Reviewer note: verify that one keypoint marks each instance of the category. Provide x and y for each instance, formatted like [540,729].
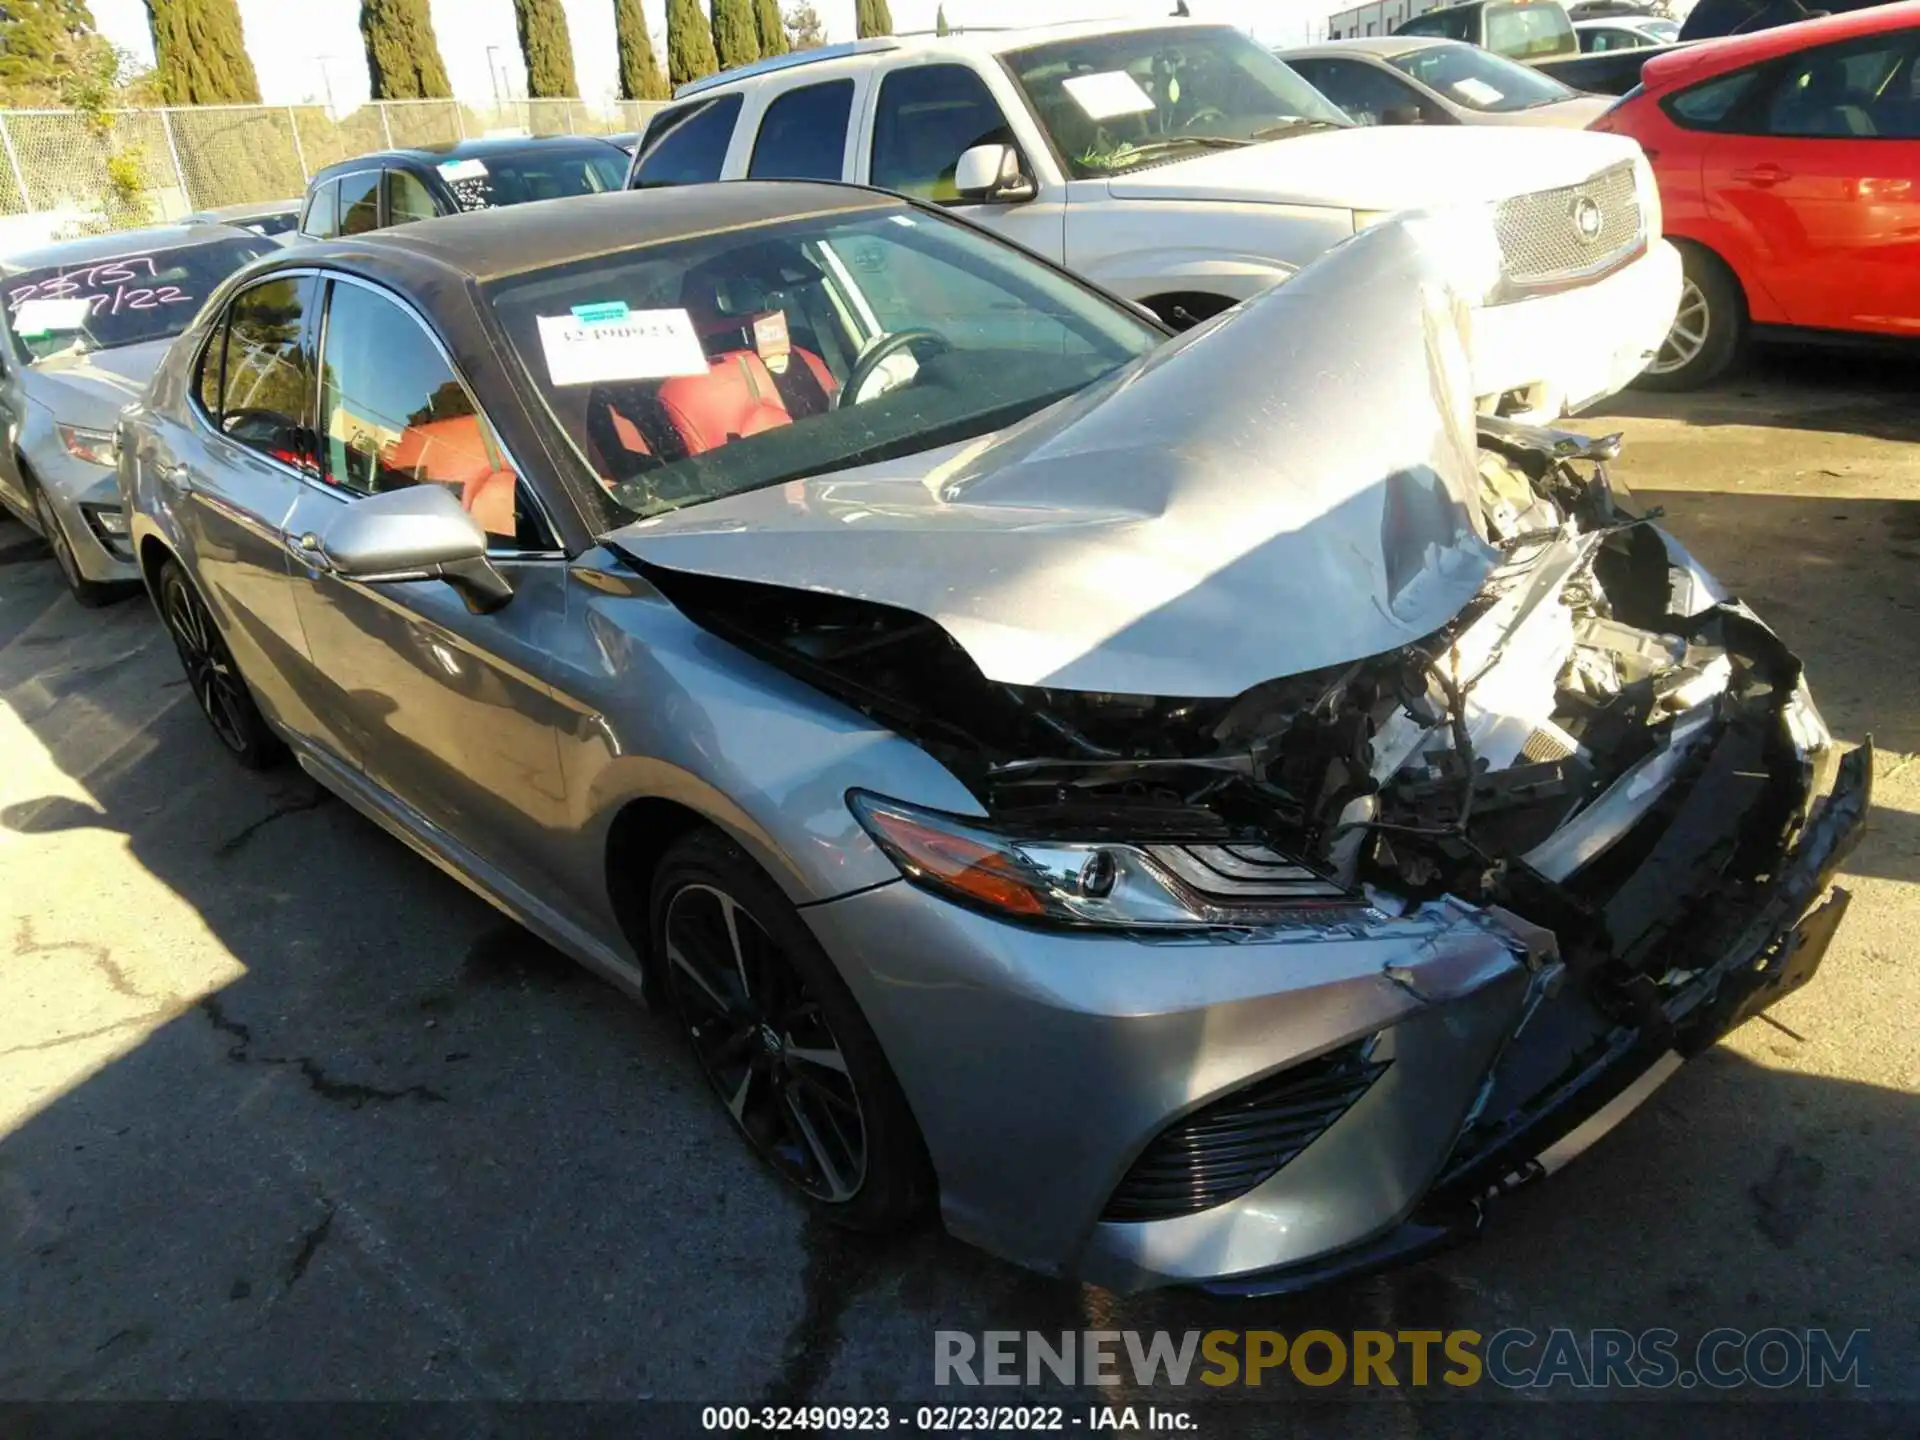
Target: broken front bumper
[1776,952]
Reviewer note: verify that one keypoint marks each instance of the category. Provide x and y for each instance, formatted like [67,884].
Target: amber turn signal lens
[979,872]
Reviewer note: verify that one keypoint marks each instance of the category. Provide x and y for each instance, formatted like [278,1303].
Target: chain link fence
[83,172]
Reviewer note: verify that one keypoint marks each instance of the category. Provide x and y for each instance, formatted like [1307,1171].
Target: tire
[1710,330]
[216,682]
[781,1040]
[90,593]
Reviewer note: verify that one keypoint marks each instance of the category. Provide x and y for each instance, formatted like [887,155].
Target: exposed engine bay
[1589,748]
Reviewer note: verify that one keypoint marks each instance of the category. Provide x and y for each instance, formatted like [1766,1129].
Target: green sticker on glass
[600,312]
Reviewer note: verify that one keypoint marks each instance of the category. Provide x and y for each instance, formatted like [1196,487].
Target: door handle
[1762,175]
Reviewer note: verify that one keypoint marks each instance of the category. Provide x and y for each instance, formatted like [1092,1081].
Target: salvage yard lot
[285,1113]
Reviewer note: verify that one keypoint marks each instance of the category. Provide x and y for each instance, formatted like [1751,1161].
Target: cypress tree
[640,77]
[689,42]
[734,39]
[872,17]
[804,30]
[548,49]
[41,42]
[403,58]
[200,53]
[767,24]
[940,20]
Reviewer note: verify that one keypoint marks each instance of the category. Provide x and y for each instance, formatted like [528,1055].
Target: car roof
[511,239]
[1385,46]
[984,42]
[486,148]
[119,242]
[1703,58]
[217,213]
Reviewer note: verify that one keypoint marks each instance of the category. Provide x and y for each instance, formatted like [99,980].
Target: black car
[392,187]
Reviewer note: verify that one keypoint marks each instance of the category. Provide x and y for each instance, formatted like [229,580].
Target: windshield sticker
[1107,94]
[640,345]
[35,318]
[107,288]
[906,220]
[600,311]
[771,339]
[1479,92]
[453,171]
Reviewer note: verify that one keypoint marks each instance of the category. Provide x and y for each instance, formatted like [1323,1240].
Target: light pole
[493,74]
[326,80]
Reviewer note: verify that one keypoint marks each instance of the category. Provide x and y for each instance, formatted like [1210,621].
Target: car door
[925,116]
[1823,176]
[231,474]
[443,709]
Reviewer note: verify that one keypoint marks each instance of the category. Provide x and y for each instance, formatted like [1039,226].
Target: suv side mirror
[991,175]
[418,533]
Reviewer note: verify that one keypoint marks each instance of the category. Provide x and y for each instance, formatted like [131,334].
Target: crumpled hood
[91,389]
[1287,488]
[1370,167]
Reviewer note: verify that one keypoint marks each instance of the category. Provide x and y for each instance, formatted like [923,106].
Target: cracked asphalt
[287,1114]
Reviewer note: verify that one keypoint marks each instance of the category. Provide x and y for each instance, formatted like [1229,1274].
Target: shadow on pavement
[1855,392]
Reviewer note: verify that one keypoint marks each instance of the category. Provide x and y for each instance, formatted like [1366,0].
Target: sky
[309,50]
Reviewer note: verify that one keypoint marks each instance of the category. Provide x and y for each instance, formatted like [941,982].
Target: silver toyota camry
[83,326]
[1203,810]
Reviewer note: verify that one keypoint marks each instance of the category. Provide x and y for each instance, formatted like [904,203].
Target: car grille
[1543,241]
[1223,1150]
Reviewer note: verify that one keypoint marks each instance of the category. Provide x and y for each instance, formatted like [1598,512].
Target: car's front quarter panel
[68,482]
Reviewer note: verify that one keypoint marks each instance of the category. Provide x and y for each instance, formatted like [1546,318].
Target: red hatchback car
[1789,171]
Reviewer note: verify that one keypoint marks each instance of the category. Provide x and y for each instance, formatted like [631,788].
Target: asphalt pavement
[285,1113]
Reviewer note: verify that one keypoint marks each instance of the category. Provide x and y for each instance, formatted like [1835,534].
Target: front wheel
[781,1039]
[211,674]
[90,593]
[1708,329]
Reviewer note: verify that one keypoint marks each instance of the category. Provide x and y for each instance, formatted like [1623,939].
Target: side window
[266,391]
[394,414]
[803,135]
[1707,106]
[1364,92]
[1861,90]
[1526,32]
[206,383]
[407,198]
[322,220]
[927,116]
[1454,24]
[360,202]
[691,149]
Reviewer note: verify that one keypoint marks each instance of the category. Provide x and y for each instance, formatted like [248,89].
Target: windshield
[481,184]
[1480,79]
[99,304]
[689,371]
[1113,102]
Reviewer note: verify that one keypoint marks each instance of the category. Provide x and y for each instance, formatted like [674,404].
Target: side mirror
[1400,115]
[419,533]
[991,175]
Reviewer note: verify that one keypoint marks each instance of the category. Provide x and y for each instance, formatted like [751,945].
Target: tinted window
[360,202]
[393,414]
[269,224]
[1861,90]
[1454,24]
[407,198]
[927,116]
[1705,106]
[266,399]
[547,172]
[1364,92]
[691,148]
[101,303]
[803,135]
[206,384]
[322,217]
[1527,32]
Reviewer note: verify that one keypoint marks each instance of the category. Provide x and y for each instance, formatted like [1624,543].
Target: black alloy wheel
[780,1038]
[211,674]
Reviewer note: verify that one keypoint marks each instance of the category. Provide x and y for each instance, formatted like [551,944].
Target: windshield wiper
[1299,125]
[1161,146]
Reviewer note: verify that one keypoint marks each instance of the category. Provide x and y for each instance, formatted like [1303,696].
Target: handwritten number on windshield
[108,287]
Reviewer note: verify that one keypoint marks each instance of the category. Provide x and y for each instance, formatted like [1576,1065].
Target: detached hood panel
[1287,488]
[1370,167]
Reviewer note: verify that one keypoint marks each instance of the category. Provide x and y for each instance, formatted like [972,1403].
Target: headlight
[1092,883]
[96,447]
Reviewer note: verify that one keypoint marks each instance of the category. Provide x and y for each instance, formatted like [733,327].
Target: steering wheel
[882,349]
[1205,115]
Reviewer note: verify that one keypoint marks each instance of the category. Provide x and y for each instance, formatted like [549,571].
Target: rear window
[1706,106]
[100,304]
[483,183]
[1453,24]
[1530,32]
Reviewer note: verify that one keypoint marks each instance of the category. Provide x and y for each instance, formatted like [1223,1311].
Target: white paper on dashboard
[1478,91]
[44,317]
[1107,94]
[640,345]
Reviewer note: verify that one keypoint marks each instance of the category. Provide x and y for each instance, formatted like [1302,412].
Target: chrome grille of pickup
[1553,236]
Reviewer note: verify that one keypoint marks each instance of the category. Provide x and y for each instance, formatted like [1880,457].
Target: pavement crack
[148,1017]
[310,1244]
[240,838]
[26,945]
[350,1093]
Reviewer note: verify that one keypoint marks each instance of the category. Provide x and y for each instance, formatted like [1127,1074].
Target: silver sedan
[1423,80]
[1195,810]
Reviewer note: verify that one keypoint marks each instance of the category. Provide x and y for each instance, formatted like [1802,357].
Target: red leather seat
[735,397]
[455,452]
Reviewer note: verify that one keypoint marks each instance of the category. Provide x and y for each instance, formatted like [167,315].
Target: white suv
[1184,167]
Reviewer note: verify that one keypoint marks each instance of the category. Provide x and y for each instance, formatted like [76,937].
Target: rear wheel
[90,593]
[1708,329]
[781,1039]
[211,674]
